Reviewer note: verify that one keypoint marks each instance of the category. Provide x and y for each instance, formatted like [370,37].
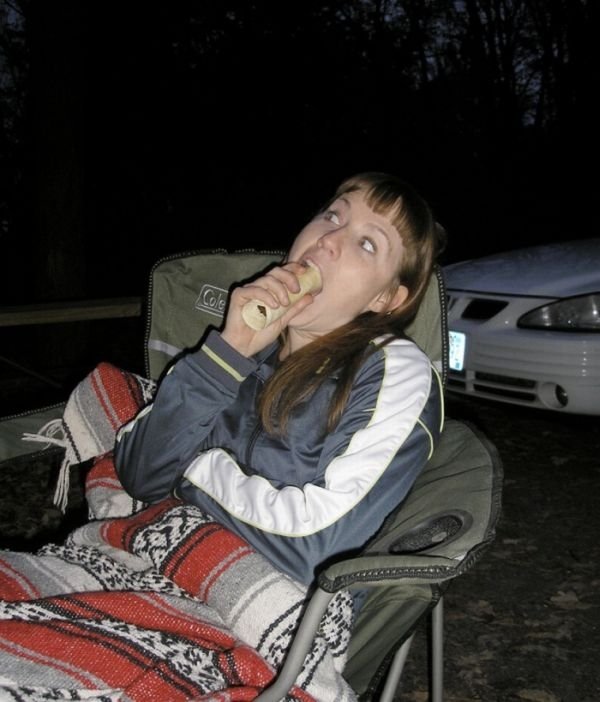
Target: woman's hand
[273,289]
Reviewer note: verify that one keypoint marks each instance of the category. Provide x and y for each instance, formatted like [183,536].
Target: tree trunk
[55,265]
[56,34]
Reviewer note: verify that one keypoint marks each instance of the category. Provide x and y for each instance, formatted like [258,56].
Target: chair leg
[395,671]
[437,652]
[437,659]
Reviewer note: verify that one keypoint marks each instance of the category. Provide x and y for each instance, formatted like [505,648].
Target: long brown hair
[344,349]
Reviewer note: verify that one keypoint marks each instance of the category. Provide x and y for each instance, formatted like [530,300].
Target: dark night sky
[242,149]
[175,133]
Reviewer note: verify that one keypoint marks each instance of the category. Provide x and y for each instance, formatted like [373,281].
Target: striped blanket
[152,603]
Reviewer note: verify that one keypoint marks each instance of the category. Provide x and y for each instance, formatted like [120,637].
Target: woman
[302,437]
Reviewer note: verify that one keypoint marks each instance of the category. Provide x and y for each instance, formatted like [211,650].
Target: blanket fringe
[53,434]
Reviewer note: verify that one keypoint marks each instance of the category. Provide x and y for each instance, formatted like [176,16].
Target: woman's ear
[398,298]
[390,300]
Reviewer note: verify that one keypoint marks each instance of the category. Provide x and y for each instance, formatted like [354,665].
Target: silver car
[525,327]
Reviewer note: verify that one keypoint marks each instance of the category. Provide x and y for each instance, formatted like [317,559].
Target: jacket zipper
[444,319]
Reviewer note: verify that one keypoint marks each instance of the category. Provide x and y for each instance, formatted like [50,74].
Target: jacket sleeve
[154,449]
[386,435]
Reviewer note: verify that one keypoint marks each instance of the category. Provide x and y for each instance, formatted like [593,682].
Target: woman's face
[358,253]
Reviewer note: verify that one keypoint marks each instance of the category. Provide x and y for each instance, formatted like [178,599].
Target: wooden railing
[60,312]
[57,312]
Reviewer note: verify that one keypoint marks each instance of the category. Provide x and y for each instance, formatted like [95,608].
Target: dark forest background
[133,130]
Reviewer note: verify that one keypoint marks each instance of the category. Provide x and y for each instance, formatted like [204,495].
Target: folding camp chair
[436,534]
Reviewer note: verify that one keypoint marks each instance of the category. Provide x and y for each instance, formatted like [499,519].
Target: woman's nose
[331,242]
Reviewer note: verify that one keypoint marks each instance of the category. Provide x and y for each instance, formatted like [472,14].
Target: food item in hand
[259,315]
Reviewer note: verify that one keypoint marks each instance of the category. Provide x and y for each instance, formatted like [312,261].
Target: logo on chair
[212,300]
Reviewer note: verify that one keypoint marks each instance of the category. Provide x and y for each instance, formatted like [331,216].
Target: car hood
[552,270]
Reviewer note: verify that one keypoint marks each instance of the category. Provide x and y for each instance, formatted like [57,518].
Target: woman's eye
[332,217]
[368,245]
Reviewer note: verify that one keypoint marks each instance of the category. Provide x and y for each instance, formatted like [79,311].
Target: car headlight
[572,314]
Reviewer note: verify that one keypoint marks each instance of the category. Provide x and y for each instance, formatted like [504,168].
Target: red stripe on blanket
[103,467]
[236,668]
[207,553]
[135,392]
[148,611]
[103,474]
[121,532]
[108,484]
[120,389]
[14,586]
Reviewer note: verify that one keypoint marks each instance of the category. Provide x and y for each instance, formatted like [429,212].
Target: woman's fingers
[275,287]
[280,282]
[274,290]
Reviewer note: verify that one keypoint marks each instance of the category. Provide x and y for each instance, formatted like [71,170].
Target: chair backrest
[188,293]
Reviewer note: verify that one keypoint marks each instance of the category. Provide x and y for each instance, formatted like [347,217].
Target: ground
[524,623]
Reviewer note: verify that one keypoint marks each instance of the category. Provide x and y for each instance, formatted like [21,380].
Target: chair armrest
[385,569]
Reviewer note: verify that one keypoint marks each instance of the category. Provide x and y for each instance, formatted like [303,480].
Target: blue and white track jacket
[306,497]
